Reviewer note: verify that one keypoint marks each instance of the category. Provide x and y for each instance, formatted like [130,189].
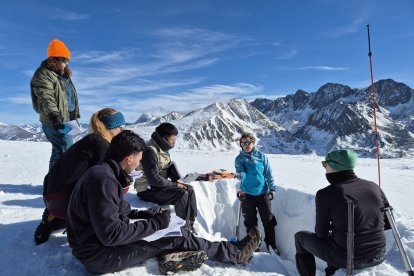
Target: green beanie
[341,160]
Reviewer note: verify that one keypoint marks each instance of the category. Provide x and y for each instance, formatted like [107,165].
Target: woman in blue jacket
[257,189]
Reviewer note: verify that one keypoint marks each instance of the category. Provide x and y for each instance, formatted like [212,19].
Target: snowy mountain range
[335,116]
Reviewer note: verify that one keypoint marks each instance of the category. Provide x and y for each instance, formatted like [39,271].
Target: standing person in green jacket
[54,97]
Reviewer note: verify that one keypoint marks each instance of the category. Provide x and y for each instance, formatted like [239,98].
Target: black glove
[134,214]
[155,209]
[162,219]
[56,120]
[146,214]
[271,195]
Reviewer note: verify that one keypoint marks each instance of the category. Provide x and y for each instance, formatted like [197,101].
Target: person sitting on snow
[257,187]
[329,242]
[62,177]
[104,239]
[160,183]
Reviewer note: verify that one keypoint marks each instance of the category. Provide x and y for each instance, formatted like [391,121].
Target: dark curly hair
[125,144]
[166,130]
[54,64]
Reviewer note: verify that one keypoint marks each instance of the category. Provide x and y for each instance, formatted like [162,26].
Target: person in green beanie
[329,242]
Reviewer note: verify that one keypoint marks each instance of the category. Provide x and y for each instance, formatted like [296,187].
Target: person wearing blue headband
[62,177]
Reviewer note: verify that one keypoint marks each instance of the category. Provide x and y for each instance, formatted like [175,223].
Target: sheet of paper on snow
[136,174]
[173,229]
[71,128]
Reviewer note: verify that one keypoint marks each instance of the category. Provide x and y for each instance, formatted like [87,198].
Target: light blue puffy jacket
[256,174]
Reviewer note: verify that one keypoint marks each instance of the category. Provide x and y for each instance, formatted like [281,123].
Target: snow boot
[181,261]
[48,224]
[330,270]
[248,245]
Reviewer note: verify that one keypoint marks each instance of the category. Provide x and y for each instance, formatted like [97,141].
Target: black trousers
[250,205]
[184,200]
[117,258]
[309,245]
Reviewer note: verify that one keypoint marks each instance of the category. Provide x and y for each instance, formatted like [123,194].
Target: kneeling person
[160,181]
[329,243]
[103,238]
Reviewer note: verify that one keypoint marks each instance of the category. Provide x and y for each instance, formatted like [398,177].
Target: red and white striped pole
[374,108]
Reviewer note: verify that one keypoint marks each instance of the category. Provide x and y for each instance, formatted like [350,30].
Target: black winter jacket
[60,181]
[332,214]
[150,164]
[98,215]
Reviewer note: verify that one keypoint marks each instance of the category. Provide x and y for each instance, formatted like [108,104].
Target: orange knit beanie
[58,49]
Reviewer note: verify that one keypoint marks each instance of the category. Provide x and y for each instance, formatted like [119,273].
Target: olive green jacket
[49,95]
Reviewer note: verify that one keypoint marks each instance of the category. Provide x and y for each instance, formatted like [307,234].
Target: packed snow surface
[24,164]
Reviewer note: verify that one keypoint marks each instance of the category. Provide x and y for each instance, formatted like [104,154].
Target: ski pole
[240,196]
[397,237]
[374,107]
[351,202]
[238,222]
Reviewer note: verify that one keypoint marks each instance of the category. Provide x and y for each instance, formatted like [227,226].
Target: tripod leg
[351,202]
[397,238]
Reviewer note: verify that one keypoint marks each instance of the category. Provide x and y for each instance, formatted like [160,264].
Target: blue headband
[114,120]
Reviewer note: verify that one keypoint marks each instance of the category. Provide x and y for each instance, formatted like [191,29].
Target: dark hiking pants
[309,245]
[250,204]
[184,200]
[117,258]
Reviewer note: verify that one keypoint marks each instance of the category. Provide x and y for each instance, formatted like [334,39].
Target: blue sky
[162,56]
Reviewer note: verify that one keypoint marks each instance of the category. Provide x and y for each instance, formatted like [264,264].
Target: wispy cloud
[102,56]
[288,55]
[19,99]
[66,15]
[355,24]
[185,44]
[177,50]
[320,68]
[163,103]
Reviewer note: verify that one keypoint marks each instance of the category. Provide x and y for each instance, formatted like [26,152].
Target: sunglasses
[64,60]
[246,143]
[325,163]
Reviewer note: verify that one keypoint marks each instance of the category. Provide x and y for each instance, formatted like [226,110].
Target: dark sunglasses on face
[246,143]
[64,60]
[325,163]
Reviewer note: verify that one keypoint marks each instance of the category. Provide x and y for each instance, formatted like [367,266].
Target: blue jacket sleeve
[238,163]
[268,174]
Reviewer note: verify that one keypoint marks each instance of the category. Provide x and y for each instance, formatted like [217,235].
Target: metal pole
[397,237]
[351,202]
[238,222]
[374,107]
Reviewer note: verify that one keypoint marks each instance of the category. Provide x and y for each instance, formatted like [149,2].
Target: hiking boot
[330,270]
[185,261]
[273,248]
[248,245]
[48,224]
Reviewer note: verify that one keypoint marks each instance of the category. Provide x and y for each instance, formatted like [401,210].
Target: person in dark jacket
[160,183]
[329,242]
[257,189]
[61,179]
[103,238]
[54,97]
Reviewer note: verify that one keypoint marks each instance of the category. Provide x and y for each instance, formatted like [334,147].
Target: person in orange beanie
[54,98]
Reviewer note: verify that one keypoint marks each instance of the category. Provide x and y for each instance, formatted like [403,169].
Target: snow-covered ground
[24,164]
